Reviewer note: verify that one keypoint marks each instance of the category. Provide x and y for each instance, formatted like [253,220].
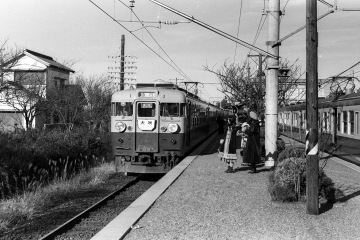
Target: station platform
[198,200]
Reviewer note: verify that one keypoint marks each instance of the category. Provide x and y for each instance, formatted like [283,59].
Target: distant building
[28,80]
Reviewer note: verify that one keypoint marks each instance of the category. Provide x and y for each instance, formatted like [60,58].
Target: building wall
[51,76]
[8,121]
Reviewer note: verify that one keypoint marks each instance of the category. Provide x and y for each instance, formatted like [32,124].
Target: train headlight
[163,128]
[120,126]
[173,127]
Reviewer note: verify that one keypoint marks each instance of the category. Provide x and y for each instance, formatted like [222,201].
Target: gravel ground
[206,203]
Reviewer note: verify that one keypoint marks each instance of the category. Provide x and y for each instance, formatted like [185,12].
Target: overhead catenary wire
[215,30]
[338,75]
[136,37]
[183,74]
[238,29]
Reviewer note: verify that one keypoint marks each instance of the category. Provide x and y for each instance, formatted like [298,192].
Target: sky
[69,30]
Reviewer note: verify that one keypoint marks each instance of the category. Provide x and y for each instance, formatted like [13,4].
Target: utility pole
[122,63]
[312,160]
[272,82]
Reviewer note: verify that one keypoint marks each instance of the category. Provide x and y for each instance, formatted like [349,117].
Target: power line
[215,30]
[183,74]
[134,36]
[238,30]
[334,77]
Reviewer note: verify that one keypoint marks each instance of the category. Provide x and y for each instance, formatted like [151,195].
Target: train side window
[351,122]
[357,125]
[123,109]
[345,121]
[325,121]
[182,109]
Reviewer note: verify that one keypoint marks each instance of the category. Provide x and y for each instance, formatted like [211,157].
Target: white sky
[77,30]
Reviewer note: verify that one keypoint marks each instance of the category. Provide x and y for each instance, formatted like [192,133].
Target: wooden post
[312,160]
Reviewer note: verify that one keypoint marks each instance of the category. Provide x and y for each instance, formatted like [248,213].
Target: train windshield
[146,109]
[122,108]
[172,109]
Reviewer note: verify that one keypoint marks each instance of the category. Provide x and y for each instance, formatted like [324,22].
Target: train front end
[147,128]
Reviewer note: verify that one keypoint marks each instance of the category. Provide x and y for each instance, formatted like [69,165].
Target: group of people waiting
[241,140]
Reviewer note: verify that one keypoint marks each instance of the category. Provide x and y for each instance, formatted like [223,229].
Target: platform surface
[206,203]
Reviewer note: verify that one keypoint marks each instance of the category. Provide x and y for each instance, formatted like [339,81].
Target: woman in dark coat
[252,153]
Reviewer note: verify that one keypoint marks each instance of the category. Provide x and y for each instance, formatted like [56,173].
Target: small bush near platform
[287,183]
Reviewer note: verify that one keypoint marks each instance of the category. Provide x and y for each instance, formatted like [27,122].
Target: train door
[147,130]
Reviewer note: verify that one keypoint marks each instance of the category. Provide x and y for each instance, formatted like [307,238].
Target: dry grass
[24,207]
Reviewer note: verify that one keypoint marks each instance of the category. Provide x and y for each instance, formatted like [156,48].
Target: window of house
[59,82]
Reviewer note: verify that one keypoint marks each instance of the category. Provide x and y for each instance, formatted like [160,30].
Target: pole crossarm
[277,43]
[226,35]
[333,8]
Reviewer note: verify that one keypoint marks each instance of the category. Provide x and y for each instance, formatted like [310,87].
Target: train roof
[340,101]
[170,91]
[161,94]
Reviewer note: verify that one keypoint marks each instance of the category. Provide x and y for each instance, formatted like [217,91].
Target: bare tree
[7,53]
[25,95]
[98,91]
[249,89]
[66,104]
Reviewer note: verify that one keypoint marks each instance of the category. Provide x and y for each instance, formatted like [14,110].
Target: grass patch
[25,206]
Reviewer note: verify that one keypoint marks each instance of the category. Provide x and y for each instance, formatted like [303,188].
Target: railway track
[87,223]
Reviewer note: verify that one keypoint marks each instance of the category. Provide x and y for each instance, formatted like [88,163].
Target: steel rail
[69,224]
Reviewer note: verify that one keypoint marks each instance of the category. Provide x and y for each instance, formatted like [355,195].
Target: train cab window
[122,108]
[146,109]
[169,109]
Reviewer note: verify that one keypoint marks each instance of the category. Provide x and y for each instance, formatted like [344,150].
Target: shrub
[292,151]
[287,182]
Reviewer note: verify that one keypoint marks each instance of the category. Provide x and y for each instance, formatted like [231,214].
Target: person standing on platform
[227,151]
[252,151]
[220,121]
[240,135]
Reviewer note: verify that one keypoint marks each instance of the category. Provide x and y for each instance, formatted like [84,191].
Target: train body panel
[338,117]
[152,128]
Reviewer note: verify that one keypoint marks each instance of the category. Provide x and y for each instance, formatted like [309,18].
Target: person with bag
[227,150]
[240,135]
[252,149]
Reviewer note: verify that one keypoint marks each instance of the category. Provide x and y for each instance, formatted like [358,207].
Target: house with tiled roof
[26,83]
